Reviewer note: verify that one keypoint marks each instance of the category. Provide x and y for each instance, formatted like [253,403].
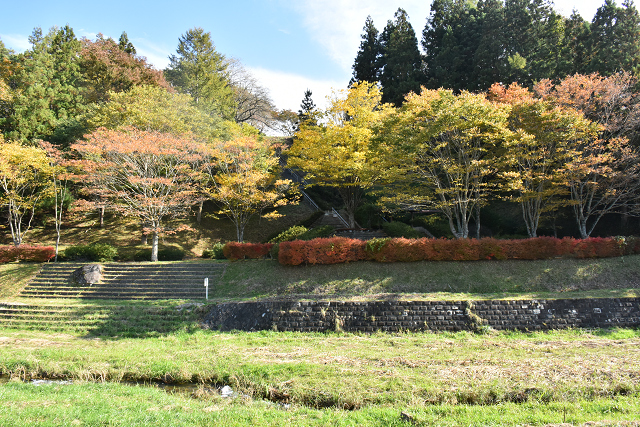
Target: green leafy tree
[366,67]
[47,87]
[401,60]
[199,70]
[153,108]
[615,38]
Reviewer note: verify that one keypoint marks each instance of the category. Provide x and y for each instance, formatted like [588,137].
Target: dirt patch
[32,342]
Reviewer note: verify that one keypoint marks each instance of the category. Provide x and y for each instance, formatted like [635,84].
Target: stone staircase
[130,281]
[111,319]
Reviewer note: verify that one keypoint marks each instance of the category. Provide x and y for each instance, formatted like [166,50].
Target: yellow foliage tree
[342,151]
[243,176]
[25,179]
[450,150]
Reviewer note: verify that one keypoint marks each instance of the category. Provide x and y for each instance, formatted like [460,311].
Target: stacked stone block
[395,316]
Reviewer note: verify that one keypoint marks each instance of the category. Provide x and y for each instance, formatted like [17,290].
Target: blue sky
[288,45]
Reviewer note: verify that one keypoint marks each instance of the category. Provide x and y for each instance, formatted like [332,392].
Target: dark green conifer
[401,60]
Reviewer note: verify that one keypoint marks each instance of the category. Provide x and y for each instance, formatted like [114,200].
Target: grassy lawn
[315,379]
[558,278]
[573,377]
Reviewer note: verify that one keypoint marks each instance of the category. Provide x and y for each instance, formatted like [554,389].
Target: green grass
[342,379]
[117,405]
[452,379]
[15,276]
[557,278]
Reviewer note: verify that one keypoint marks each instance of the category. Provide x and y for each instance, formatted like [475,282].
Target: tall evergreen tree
[530,28]
[46,82]
[366,67]
[307,111]
[401,60]
[615,38]
[200,71]
[490,62]
[576,46]
[125,45]
[450,41]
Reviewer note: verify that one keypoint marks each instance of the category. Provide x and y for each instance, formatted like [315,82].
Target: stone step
[128,296]
[180,280]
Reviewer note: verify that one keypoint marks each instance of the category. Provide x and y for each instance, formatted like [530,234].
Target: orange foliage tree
[149,175]
[606,176]
[109,68]
[546,139]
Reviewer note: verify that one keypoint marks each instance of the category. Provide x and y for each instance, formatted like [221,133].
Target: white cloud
[17,42]
[156,55]
[337,24]
[287,90]
[586,8]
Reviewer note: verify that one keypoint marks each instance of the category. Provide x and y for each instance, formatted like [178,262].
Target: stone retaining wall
[393,316]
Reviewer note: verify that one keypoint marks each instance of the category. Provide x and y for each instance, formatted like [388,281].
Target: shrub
[98,252]
[234,251]
[336,250]
[170,253]
[400,229]
[216,252]
[26,253]
[291,233]
[332,250]
[314,233]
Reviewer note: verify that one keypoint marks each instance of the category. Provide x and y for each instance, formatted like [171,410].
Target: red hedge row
[26,253]
[339,249]
[235,251]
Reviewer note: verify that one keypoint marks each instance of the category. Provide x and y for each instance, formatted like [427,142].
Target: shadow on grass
[138,320]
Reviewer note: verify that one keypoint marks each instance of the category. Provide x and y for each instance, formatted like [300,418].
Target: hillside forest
[505,119]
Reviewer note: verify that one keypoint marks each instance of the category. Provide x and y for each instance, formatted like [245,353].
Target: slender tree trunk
[154,246]
[477,221]
[101,216]
[144,238]
[199,214]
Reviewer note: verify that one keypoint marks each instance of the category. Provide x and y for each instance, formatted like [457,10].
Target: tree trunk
[477,222]
[199,214]
[144,238]
[154,246]
[351,219]
[239,232]
[101,216]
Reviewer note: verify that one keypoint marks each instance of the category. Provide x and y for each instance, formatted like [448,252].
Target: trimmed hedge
[26,253]
[234,251]
[339,249]
[170,253]
[216,252]
[99,252]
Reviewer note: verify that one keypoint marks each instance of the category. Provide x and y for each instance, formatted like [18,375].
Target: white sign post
[206,286]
